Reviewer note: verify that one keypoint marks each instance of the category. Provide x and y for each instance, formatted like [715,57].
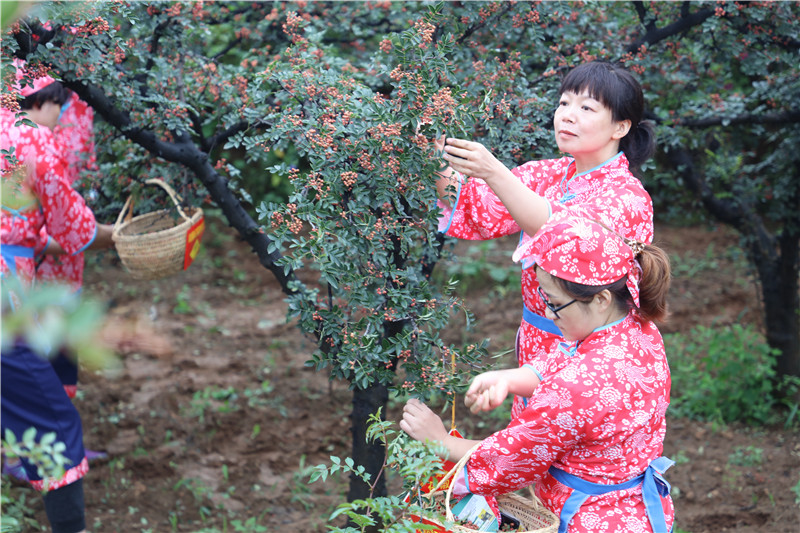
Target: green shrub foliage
[722,374]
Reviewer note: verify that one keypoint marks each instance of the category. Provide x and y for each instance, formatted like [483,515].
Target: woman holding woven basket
[591,436]
[37,195]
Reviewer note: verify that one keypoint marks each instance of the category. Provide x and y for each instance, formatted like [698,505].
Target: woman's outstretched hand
[528,209]
[490,389]
[486,392]
[472,159]
[421,423]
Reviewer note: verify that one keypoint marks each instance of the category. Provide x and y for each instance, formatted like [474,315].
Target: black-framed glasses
[550,306]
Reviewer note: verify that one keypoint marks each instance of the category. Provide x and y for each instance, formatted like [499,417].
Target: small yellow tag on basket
[193,241]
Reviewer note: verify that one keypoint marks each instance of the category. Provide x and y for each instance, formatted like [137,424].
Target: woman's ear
[623,127]
[604,299]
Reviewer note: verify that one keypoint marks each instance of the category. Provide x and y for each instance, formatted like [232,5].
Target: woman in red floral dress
[591,436]
[32,395]
[599,123]
[74,134]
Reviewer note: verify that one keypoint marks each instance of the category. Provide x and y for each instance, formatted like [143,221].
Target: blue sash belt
[540,322]
[654,487]
[11,251]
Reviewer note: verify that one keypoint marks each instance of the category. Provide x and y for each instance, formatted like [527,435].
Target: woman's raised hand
[486,392]
[421,423]
[472,159]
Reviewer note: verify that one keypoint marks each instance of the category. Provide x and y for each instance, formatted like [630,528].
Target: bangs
[599,81]
[55,92]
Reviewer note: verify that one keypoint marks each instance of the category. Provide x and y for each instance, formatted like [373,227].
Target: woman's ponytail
[639,145]
[654,284]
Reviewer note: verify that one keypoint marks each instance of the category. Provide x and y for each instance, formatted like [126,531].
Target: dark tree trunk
[776,258]
[779,288]
[370,455]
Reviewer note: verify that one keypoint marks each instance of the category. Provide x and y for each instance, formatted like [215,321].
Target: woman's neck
[612,316]
[586,162]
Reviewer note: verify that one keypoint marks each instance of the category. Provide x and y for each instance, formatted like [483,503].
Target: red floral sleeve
[67,217]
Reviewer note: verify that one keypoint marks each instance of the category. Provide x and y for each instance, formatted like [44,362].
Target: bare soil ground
[212,413]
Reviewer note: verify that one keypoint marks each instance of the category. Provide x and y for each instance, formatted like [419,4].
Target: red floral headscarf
[581,251]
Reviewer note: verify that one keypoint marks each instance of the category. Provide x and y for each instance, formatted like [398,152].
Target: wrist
[499,176]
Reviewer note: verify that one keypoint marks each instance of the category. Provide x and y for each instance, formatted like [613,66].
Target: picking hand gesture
[486,392]
[421,423]
[471,159]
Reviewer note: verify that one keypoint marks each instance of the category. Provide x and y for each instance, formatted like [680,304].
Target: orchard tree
[342,99]
[363,204]
[730,115]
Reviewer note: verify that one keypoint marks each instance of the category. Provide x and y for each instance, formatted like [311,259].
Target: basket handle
[166,187]
[122,214]
[172,194]
[537,504]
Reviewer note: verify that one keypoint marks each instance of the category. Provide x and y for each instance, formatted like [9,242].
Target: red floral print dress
[74,135]
[57,206]
[609,193]
[598,415]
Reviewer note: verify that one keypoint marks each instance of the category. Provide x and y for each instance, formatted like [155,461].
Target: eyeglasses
[550,306]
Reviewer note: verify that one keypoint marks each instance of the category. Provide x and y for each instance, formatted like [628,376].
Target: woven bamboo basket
[533,516]
[154,245]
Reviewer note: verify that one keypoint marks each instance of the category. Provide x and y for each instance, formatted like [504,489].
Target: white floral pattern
[60,208]
[599,415]
[610,194]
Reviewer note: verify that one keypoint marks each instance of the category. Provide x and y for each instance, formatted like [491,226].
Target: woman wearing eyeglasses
[591,437]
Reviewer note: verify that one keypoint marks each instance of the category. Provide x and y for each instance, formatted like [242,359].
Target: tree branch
[189,155]
[35,36]
[736,213]
[683,24]
[725,211]
[472,29]
[787,117]
[221,137]
[641,12]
